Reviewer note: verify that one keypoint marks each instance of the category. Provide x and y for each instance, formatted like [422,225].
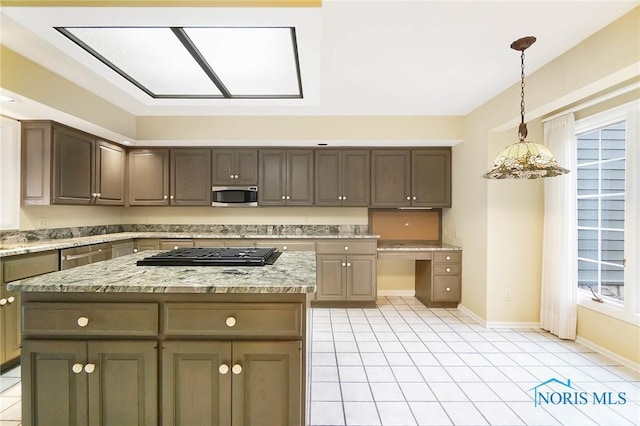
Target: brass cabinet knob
[89,368]
[164,197]
[288,197]
[223,369]
[414,197]
[236,369]
[3,301]
[346,248]
[408,197]
[283,197]
[448,257]
[11,299]
[284,248]
[235,176]
[344,264]
[83,321]
[448,288]
[448,269]
[348,264]
[231,321]
[77,368]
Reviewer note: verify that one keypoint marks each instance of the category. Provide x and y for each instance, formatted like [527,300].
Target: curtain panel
[558,307]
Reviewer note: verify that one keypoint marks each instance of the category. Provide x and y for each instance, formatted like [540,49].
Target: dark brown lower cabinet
[107,383]
[232,383]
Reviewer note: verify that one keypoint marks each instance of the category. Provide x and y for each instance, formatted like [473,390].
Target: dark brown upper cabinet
[61,165]
[431,177]
[110,173]
[286,177]
[411,178]
[149,177]
[190,180]
[234,167]
[342,177]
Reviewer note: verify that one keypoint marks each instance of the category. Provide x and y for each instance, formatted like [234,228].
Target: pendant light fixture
[524,160]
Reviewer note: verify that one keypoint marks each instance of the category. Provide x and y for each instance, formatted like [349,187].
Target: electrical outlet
[507,296]
[44,222]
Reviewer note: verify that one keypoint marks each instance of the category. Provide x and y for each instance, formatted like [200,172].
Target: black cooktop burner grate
[213,256]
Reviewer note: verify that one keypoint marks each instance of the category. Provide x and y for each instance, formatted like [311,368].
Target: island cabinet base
[165,359]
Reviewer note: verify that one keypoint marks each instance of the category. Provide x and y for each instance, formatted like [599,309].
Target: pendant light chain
[522,131]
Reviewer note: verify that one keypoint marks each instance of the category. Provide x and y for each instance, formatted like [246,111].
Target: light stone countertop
[293,272]
[39,246]
[415,246]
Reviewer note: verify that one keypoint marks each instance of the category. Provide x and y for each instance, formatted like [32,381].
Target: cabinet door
[123,387]
[109,174]
[361,278]
[331,277]
[390,178]
[299,177]
[36,163]
[246,167]
[195,391]
[190,177]
[356,175]
[175,244]
[10,325]
[268,389]
[223,171]
[46,372]
[273,177]
[431,178]
[328,178]
[149,177]
[73,165]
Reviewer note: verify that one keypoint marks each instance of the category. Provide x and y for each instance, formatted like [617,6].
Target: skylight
[198,62]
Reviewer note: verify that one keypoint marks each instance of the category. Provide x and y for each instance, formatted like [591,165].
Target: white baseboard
[401,293]
[497,324]
[606,352]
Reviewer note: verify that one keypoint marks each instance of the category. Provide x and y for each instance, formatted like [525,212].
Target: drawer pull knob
[223,369]
[346,248]
[413,198]
[408,198]
[448,257]
[3,301]
[231,321]
[11,299]
[175,247]
[284,248]
[283,197]
[76,368]
[348,264]
[237,369]
[135,250]
[164,197]
[448,288]
[235,176]
[83,321]
[89,368]
[231,176]
[448,269]
[344,264]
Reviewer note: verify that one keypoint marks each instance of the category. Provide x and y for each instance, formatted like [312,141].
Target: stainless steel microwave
[234,196]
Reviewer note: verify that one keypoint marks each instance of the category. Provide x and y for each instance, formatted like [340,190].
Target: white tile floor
[405,364]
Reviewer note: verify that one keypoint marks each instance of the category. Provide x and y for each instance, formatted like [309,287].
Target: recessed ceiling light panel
[202,62]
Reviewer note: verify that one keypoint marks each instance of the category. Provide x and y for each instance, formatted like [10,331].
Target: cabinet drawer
[233,319]
[288,245]
[29,265]
[447,268]
[447,256]
[99,319]
[175,244]
[347,247]
[445,289]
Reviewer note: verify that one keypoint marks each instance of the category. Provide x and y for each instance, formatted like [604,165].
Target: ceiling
[386,57]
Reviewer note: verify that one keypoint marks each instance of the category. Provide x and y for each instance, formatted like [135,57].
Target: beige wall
[38,217]
[619,337]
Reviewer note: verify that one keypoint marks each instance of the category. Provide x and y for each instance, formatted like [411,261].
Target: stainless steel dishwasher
[78,256]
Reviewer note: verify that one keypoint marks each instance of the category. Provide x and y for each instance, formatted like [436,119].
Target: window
[608,201]
[601,207]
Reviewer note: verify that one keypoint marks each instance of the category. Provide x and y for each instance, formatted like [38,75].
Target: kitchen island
[114,343]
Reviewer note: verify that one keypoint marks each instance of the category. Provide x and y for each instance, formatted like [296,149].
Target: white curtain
[558,307]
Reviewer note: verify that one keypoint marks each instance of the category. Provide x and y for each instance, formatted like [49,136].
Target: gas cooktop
[213,256]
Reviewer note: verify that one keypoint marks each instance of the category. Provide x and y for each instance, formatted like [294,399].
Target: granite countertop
[293,272]
[413,246]
[44,245]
